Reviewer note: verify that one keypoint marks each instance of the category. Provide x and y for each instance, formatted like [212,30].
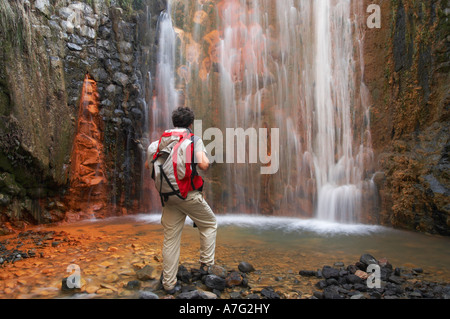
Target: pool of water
[313,242]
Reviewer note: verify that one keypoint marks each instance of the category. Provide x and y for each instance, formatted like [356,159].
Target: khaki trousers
[173,219]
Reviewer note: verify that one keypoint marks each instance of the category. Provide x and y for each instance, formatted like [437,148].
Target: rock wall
[46,49]
[407,70]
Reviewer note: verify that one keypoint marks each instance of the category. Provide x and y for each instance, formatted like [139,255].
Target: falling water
[166,98]
[295,65]
[337,175]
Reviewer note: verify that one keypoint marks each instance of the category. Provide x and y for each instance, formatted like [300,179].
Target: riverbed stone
[214,282]
[245,267]
[368,259]
[217,270]
[143,294]
[329,272]
[353,279]
[332,292]
[194,294]
[146,273]
[183,274]
[307,273]
[233,279]
[395,279]
[133,285]
[269,293]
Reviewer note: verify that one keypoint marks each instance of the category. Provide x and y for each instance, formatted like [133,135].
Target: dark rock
[252,296]
[146,273]
[55,243]
[332,282]
[352,269]
[318,294]
[233,279]
[245,267]
[184,275]
[307,273]
[396,280]
[393,289]
[418,270]
[143,294]
[328,272]
[353,279]
[367,260]
[198,274]
[321,284]
[361,266]
[343,273]
[218,271]
[331,292]
[133,285]
[415,294]
[347,286]
[268,293]
[385,273]
[194,294]
[360,287]
[342,290]
[375,295]
[217,292]
[188,288]
[397,272]
[215,282]
[235,295]
[66,288]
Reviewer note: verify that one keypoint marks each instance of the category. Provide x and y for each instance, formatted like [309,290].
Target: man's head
[183,117]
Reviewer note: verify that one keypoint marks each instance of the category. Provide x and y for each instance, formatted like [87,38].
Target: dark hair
[183,117]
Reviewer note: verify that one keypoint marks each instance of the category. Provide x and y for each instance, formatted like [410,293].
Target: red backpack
[172,162]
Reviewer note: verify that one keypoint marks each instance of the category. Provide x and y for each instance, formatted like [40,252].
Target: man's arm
[202,161]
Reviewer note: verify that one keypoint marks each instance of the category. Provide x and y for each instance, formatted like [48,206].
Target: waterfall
[295,65]
[337,174]
[166,94]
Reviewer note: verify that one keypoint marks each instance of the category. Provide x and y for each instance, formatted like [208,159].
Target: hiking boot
[204,269]
[174,290]
[171,291]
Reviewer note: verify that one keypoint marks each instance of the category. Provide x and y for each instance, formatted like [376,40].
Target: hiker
[173,161]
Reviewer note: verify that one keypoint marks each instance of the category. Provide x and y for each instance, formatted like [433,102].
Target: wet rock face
[41,76]
[409,118]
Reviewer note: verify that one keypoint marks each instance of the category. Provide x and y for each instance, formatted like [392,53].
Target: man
[176,209]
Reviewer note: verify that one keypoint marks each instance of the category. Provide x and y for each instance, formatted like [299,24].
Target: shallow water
[314,243]
[109,251]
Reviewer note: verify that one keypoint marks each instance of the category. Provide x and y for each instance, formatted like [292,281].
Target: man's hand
[146,165]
